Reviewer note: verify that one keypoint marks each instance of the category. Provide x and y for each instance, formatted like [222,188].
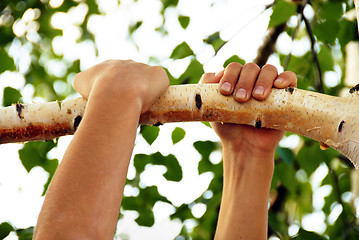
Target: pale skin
[84,197]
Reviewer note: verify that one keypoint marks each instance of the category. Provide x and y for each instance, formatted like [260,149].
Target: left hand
[244,82]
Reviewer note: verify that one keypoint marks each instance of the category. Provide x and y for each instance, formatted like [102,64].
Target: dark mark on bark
[77,121]
[290,89]
[19,108]
[258,123]
[198,101]
[354,89]
[157,124]
[341,126]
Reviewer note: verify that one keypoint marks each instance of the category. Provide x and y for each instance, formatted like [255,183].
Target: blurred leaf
[192,74]
[140,161]
[11,96]
[132,28]
[327,31]
[174,170]
[234,58]
[183,212]
[306,235]
[282,11]
[331,10]
[348,32]
[181,51]
[216,41]
[145,218]
[326,59]
[149,133]
[6,62]
[5,230]
[184,21]
[177,135]
[34,154]
[25,234]
[205,148]
[286,175]
[169,3]
[286,154]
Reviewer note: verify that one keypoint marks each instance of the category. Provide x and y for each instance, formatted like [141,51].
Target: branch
[319,84]
[268,45]
[328,119]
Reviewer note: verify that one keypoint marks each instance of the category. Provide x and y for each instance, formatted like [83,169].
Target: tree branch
[268,45]
[319,84]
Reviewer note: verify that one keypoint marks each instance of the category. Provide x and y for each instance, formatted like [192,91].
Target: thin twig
[319,85]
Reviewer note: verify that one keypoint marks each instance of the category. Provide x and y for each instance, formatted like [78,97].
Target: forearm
[247,178]
[84,198]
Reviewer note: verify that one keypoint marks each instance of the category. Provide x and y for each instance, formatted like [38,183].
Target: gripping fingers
[286,79]
[246,82]
[230,78]
[264,82]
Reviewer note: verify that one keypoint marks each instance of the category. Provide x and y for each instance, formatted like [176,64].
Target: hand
[244,82]
[113,80]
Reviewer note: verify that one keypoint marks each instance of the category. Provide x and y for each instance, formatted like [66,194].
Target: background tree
[28,35]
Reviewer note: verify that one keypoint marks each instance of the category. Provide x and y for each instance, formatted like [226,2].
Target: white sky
[20,191]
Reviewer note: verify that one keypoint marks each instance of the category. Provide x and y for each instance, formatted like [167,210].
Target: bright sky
[21,191]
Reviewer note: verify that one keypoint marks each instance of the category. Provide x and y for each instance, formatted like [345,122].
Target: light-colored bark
[331,120]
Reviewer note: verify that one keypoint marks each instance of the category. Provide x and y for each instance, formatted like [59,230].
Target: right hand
[113,80]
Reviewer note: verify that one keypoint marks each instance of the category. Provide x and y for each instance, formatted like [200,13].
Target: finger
[245,84]
[208,78]
[264,82]
[230,78]
[286,79]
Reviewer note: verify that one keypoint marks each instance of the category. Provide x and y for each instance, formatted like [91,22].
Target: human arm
[248,153]
[84,197]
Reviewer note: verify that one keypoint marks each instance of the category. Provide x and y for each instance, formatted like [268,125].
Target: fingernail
[226,86]
[279,81]
[241,93]
[259,90]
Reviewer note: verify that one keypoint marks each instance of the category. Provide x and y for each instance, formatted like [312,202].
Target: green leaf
[6,62]
[327,31]
[286,154]
[145,218]
[34,154]
[184,21]
[11,96]
[286,174]
[181,51]
[234,58]
[169,3]
[216,41]
[177,135]
[305,235]
[5,230]
[192,74]
[149,133]
[282,11]
[331,10]
[174,170]
[25,234]
[325,58]
[132,28]
[205,148]
[140,161]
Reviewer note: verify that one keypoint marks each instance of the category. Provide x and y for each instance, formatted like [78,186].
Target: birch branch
[334,121]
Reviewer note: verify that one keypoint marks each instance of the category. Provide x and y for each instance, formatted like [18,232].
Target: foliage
[292,188]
